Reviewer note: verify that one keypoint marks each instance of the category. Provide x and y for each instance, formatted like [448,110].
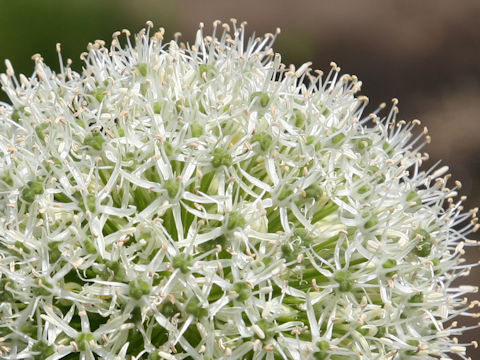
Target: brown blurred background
[426,53]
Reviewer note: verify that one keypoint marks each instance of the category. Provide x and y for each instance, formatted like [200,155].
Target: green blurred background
[426,53]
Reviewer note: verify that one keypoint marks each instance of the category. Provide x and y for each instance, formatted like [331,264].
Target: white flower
[205,202]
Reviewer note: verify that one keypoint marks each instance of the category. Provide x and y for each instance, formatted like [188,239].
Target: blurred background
[425,53]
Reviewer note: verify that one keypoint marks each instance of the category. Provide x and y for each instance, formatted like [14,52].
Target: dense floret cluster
[204,201]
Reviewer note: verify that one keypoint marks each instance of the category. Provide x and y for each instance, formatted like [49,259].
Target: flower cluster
[205,201]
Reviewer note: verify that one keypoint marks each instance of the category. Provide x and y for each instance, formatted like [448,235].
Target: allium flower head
[204,201]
